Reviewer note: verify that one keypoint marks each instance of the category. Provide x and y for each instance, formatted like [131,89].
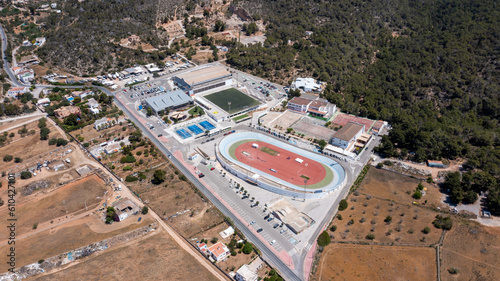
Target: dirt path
[434,171]
[481,262]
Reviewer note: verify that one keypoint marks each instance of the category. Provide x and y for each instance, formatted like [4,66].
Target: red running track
[284,163]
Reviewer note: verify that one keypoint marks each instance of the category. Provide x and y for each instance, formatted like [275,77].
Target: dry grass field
[397,251]
[362,262]
[75,234]
[29,146]
[474,250]
[57,205]
[156,257]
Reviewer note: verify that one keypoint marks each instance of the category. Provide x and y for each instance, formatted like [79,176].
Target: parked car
[272,242]
[259,230]
[211,169]
[270,219]
[140,218]
[251,223]
[200,175]
[276,225]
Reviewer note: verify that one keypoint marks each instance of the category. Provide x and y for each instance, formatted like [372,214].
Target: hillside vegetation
[80,39]
[430,68]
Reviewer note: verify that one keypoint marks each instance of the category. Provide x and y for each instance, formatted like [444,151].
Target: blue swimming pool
[207,125]
[183,133]
[71,98]
[195,129]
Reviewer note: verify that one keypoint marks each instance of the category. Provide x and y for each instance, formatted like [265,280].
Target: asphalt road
[270,256]
[6,65]
[283,269]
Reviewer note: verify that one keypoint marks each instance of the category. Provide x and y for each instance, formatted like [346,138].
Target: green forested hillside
[430,68]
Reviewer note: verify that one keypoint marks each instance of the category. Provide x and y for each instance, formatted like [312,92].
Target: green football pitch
[238,100]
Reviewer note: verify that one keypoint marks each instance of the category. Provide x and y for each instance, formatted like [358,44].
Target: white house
[39,41]
[14,92]
[347,135]
[219,251]
[299,104]
[92,103]
[43,102]
[245,274]
[307,85]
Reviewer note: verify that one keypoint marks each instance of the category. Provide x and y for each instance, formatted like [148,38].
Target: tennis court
[207,125]
[195,129]
[183,133]
[232,100]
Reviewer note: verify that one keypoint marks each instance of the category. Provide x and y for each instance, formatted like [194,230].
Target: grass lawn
[238,100]
[196,111]
[268,150]
[237,118]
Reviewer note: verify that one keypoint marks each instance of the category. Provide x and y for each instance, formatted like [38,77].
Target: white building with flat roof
[307,85]
[245,274]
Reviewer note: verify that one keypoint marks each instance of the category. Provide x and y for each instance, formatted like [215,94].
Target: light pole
[305,183]
[229,104]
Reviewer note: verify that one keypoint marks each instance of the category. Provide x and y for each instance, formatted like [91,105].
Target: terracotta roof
[378,125]
[318,103]
[348,131]
[218,249]
[299,101]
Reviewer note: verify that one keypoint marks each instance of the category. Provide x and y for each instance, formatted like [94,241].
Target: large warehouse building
[204,79]
[172,100]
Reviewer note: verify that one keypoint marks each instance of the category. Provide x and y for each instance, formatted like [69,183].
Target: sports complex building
[204,79]
[279,167]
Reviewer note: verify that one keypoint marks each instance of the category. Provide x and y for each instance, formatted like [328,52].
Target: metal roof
[167,100]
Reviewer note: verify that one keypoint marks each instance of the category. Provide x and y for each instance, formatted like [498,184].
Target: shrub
[453,270]
[324,239]
[339,217]
[127,159]
[130,178]
[25,175]
[247,249]
[18,160]
[7,158]
[343,205]
[159,177]
[417,194]
[370,236]
[380,165]
[127,168]
[443,223]
[426,230]
[145,210]
[41,261]
[61,142]
[52,141]
[333,228]
[388,219]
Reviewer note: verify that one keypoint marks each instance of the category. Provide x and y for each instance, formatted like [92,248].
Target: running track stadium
[279,167]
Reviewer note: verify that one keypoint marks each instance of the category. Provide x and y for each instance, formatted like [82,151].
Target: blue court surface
[195,129]
[207,125]
[183,133]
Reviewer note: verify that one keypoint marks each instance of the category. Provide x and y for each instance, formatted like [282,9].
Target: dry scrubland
[400,249]
[157,257]
[358,262]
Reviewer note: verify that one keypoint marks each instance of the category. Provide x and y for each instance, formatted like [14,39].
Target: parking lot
[147,90]
[256,216]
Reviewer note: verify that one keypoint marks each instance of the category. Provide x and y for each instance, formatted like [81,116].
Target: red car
[211,169]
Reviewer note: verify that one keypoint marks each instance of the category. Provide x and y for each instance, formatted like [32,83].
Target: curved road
[6,65]
[286,272]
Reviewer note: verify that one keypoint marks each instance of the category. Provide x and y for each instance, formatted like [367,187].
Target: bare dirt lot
[70,236]
[476,259]
[361,262]
[160,259]
[57,205]
[392,186]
